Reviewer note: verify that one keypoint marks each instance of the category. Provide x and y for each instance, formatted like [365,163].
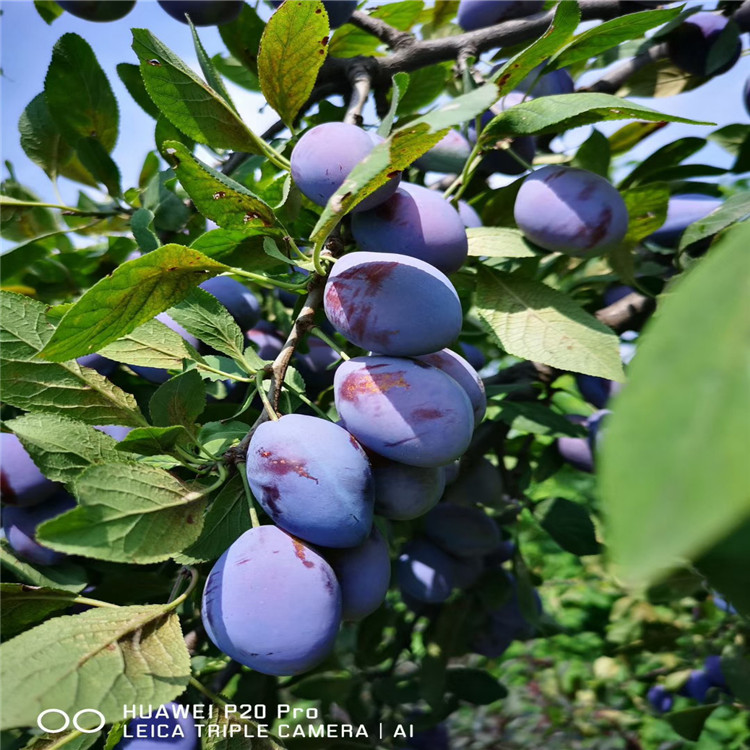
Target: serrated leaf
[292,49]
[78,94]
[212,76]
[179,401]
[95,159]
[23,605]
[499,242]
[134,293]
[667,156]
[152,441]
[535,322]
[102,658]
[48,10]
[127,513]
[660,79]
[41,139]
[66,388]
[594,154]
[188,102]
[553,114]
[570,525]
[242,37]
[735,208]
[691,485]
[399,86]
[140,225]
[217,197]
[219,734]
[130,75]
[66,575]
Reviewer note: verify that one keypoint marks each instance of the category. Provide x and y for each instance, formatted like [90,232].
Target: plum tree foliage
[412,402]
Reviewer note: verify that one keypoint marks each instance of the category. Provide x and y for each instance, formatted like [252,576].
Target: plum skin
[447,156]
[481,482]
[240,302]
[203,12]
[689,45]
[405,492]
[461,531]
[554,83]
[660,698]
[102,365]
[319,170]
[272,603]
[404,410]
[313,479]
[417,222]
[425,572]
[168,724]
[478,14]
[572,211]
[98,10]
[682,211]
[21,482]
[392,304]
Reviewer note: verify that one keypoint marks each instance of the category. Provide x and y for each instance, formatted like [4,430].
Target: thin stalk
[254,520]
[259,377]
[266,282]
[173,604]
[318,333]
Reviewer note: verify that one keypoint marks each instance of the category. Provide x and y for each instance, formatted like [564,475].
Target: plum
[339,11]
[464,374]
[267,343]
[96,362]
[313,479]
[682,211]
[469,216]
[404,409]
[203,12]
[577,452]
[461,531]
[272,603]
[240,302]
[660,698]
[114,431]
[550,84]
[597,391]
[21,483]
[504,552]
[417,222]
[170,726]
[572,211]
[473,356]
[363,573]
[691,44]
[499,160]
[97,10]
[404,492]
[157,374]
[714,672]
[315,364]
[426,573]
[324,156]
[595,425]
[723,605]
[615,293]
[392,304]
[447,156]
[696,686]
[480,482]
[451,470]
[20,524]
[478,14]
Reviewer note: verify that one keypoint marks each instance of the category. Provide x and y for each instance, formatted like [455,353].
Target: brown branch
[394,38]
[361,83]
[627,313]
[614,80]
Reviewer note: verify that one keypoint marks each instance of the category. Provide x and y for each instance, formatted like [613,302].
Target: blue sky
[26,43]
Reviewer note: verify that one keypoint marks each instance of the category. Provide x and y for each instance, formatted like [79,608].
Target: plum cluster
[700,686]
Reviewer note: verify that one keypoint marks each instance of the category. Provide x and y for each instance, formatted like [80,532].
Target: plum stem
[318,333]
[259,377]
[173,602]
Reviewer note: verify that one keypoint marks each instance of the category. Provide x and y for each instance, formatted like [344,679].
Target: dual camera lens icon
[42,721]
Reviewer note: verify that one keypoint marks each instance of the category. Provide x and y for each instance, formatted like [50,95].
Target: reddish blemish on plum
[368,383]
[428,413]
[299,550]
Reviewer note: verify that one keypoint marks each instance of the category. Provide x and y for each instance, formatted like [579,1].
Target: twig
[613,81]
[628,312]
[361,83]
[394,38]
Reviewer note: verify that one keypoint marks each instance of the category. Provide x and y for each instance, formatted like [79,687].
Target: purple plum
[324,156]
[722,604]
[241,303]
[682,211]
[478,482]
[714,672]
[550,84]
[114,431]
[272,603]
[20,525]
[571,211]
[461,531]
[696,686]
[576,450]
[268,344]
[203,12]
[746,95]
[451,470]
[363,573]
[404,410]
[660,698]
[157,374]
[426,573]
[464,374]
[404,492]
[313,479]
[597,391]
[615,293]
[98,10]
[96,362]
[691,44]
[392,304]
[469,217]
[447,156]
[315,365]
[170,727]
[478,14]
[417,222]
[21,483]
[473,356]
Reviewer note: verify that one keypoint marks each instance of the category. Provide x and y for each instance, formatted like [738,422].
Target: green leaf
[217,197]
[140,226]
[134,293]
[736,671]
[66,575]
[325,687]
[535,322]
[661,78]
[723,48]
[130,75]
[62,448]
[242,37]
[188,102]
[227,518]
[179,401]
[100,164]
[474,685]
[553,114]
[570,525]
[689,722]
[690,488]
[230,67]
[48,10]
[22,605]
[628,136]
[664,157]
[647,210]
[292,50]
[152,441]
[219,734]
[499,242]
[594,154]
[211,75]
[537,418]
[78,94]
[32,384]
[399,85]
[425,85]
[105,658]
[41,139]
[127,513]
[734,209]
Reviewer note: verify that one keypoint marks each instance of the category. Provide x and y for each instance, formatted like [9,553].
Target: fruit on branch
[315,364]
[572,211]
[469,217]
[324,156]
[499,160]
[392,304]
[169,727]
[417,222]
[682,211]
[339,11]
[404,492]
[426,573]
[20,525]
[576,450]
[272,603]
[363,572]
[549,84]
[157,374]
[21,483]
[404,409]
[479,482]
[504,552]
[313,479]
[97,10]
[597,391]
[464,374]
[472,355]
[595,425]
[660,698]
[478,14]
[241,303]
[203,12]
[696,686]
[714,672]
[447,156]
[461,531]
[693,43]
[96,362]
[268,344]
[722,604]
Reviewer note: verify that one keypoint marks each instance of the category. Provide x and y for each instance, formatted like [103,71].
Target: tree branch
[629,312]
[394,38]
[361,82]
[613,81]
